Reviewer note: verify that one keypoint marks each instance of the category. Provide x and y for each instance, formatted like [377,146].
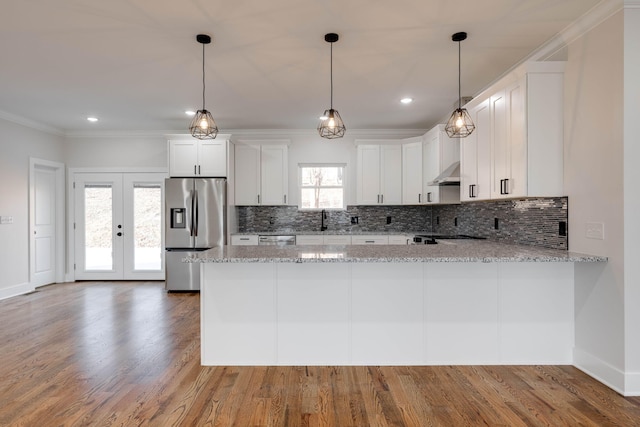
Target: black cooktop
[432,239]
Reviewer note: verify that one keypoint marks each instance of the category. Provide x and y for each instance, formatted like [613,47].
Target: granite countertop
[329,232]
[445,251]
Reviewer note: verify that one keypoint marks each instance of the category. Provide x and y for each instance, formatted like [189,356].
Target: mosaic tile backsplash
[525,221]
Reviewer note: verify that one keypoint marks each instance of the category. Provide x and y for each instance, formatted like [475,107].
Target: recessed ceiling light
[190,113]
[92,119]
[406,100]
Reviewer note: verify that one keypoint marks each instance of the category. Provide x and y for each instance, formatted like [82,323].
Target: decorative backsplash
[524,221]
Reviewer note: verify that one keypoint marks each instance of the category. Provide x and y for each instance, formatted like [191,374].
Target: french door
[118,226]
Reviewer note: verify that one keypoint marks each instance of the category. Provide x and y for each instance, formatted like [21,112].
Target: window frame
[343,186]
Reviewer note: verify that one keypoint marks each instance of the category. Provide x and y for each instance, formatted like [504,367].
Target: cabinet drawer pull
[244,238]
[369,241]
[472,191]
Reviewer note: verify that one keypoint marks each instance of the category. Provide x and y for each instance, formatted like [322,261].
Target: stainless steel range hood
[449,176]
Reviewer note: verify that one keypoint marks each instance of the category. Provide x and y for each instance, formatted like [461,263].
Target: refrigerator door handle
[192,224]
[195,212]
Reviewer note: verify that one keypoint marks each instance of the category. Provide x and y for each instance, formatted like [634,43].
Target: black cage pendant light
[203,126]
[331,125]
[460,124]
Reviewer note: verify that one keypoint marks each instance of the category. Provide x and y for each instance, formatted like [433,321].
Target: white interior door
[44,182]
[118,226]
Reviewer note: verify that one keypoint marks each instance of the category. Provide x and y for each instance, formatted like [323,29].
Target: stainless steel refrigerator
[195,220]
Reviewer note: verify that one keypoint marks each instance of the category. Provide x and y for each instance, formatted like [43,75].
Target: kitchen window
[322,186]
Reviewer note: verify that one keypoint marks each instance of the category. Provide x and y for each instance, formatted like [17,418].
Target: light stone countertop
[331,232]
[445,251]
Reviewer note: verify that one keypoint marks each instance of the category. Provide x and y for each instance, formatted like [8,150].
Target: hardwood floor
[127,353]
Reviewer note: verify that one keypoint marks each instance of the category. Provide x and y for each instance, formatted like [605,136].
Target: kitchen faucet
[323,216]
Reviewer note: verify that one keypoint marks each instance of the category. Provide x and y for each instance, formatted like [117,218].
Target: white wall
[18,144]
[594,183]
[120,151]
[632,194]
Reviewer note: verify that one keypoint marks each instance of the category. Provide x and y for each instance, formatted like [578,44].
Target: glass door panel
[98,227]
[143,210]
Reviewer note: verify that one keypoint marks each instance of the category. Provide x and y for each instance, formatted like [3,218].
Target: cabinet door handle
[195,170]
[199,173]
[378,199]
[506,186]
[382,198]
[258,199]
[419,198]
[285,199]
[470,191]
[429,197]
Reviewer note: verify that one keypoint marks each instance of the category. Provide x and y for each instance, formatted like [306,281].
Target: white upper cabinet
[518,141]
[438,153]
[475,156]
[189,156]
[412,171]
[379,174]
[261,174]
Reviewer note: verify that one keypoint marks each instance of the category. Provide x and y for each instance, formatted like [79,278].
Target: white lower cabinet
[244,240]
[311,239]
[400,239]
[369,240]
[337,239]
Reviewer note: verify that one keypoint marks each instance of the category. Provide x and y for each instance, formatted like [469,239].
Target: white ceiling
[136,65]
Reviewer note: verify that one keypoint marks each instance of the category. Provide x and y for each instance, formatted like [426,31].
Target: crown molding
[591,19]
[23,121]
[248,133]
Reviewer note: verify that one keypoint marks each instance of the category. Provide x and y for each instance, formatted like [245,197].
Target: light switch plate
[594,230]
[6,220]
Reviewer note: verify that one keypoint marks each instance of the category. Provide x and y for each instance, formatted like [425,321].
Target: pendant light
[460,124]
[331,125]
[203,126]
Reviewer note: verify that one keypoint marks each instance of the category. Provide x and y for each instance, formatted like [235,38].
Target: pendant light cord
[203,80]
[331,75]
[459,80]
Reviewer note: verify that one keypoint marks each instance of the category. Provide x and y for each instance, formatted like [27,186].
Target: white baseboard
[632,384]
[16,290]
[602,371]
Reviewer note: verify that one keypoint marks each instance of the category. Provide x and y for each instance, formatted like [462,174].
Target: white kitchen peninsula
[461,302]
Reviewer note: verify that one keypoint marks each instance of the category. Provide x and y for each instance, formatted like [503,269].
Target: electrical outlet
[6,220]
[354,220]
[388,220]
[562,228]
[594,230]
[496,223]
[455,221]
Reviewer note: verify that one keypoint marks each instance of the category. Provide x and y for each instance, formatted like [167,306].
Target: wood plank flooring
[128,354]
